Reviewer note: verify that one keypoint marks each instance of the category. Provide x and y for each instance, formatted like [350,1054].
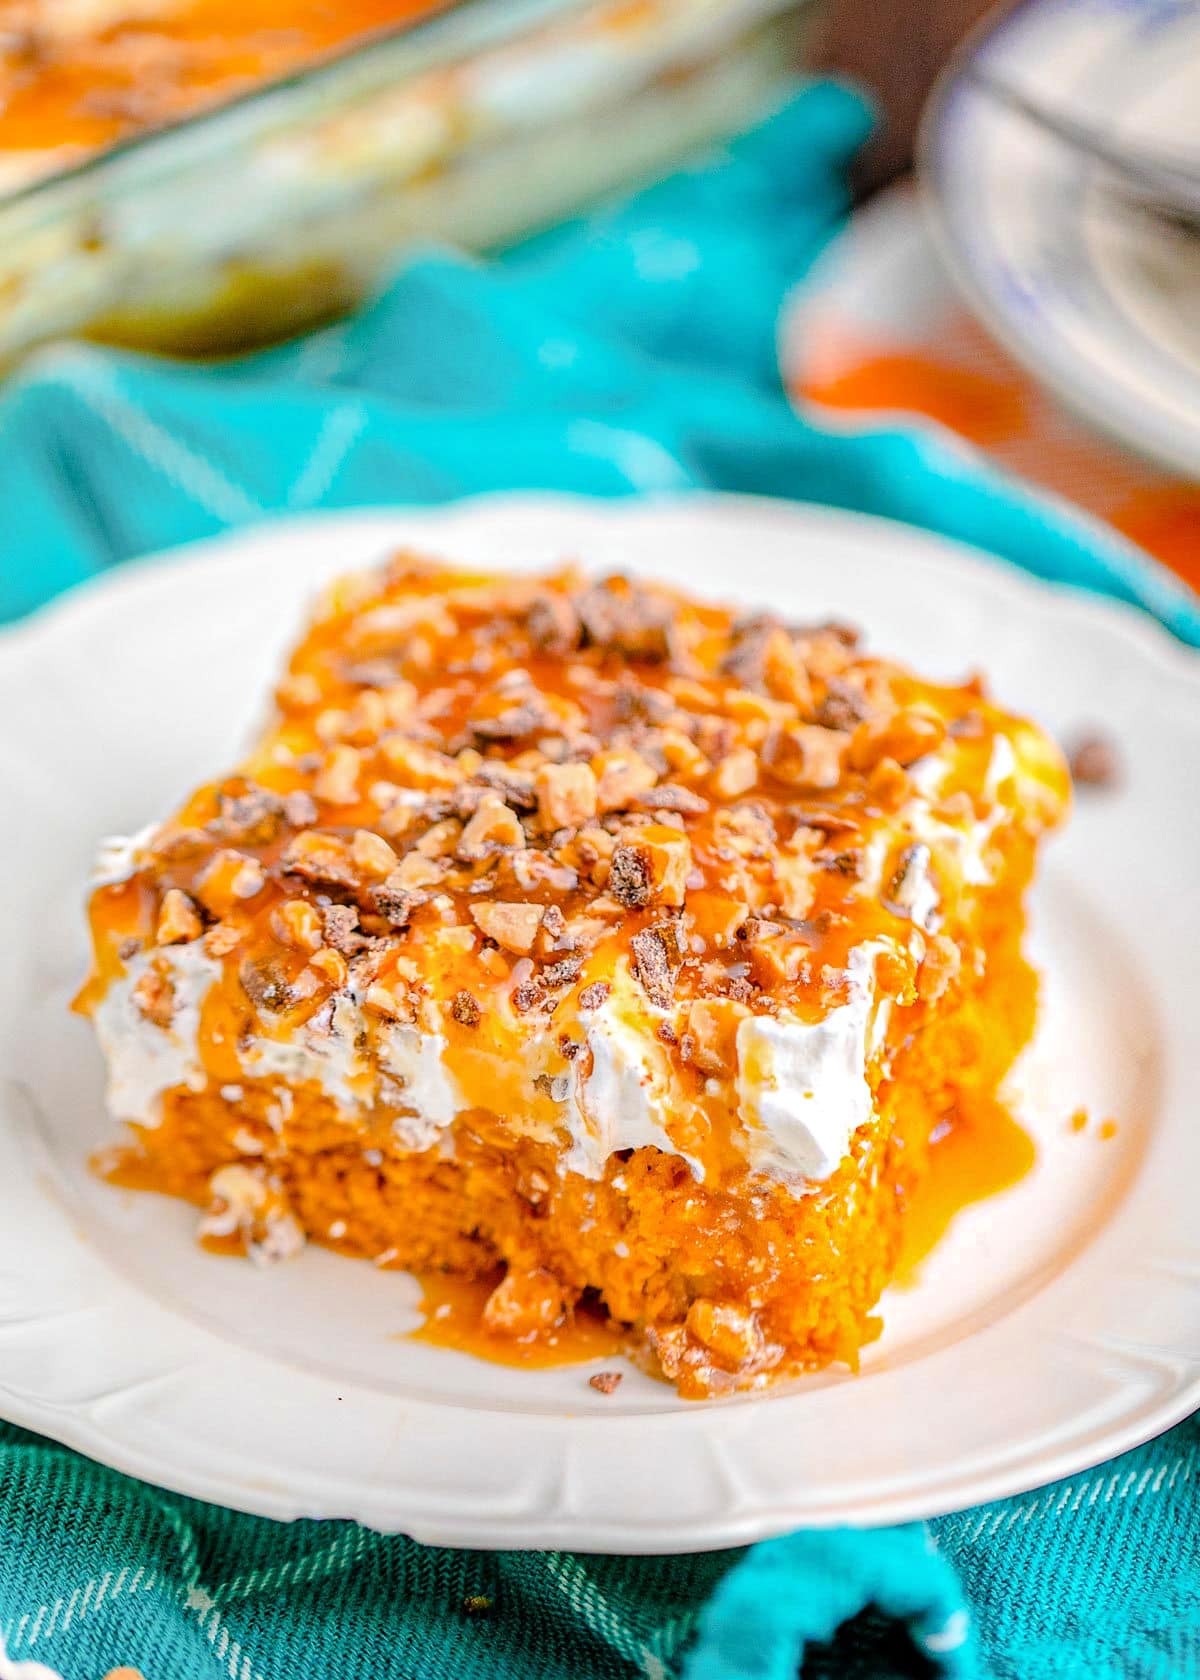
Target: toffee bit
[252,818]
[652,965]
[509,923]
[1095,762]
[568,1048]
[179,919]
[806,754]
[910,885]
[394,903]
[336,782]
[555,1086]
[365,964]
[265,986]
[825,822]
[605,1382]
[553,921]
[222,939]
[299,809]
[593,996]
[630,881]
[668,1034]
[322,859]
[339,923]
[842,707]
[511,725]
[566,796]
[619,617]
[181,847]
[635,704]
[736,773]
[839,863]
[371,854]
[513,787]
[370,673]
[465,1010]
[525,996]
[154,995]
[493,828]
[758,927]
[466,800]
[670,797]
[623,774]
[756,643]
[129,948]
[553,624]
[674,942]
[561,973]
[969,727]
[737,987]
[849,635]
[394,1004]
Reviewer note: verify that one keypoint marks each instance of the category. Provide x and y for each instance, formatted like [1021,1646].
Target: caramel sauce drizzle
[983,1151]
[453,1318]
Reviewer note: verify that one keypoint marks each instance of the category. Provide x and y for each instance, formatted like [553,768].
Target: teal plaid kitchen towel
[633,351]
[1096,1578]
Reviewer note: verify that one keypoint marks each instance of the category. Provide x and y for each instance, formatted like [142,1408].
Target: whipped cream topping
[120,856]
[966,846]
[620,1097]
[247,1204]
[416,1060]
[324,1052]
[144,1060]
[802,1085]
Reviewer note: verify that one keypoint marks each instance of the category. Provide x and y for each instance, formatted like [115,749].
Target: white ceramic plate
[1099,302]
[1057,1324]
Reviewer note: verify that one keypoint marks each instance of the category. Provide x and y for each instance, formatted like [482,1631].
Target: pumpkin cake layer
[591,932]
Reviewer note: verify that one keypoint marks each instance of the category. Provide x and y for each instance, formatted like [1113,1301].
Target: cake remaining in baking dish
[586,931]
[77,76]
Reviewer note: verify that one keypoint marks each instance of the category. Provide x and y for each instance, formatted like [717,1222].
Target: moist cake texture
[624,946]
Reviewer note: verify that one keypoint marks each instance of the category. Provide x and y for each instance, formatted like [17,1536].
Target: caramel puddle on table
[453,1312]
[986,1150]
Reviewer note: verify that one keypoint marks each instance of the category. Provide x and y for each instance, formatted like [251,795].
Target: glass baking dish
[283,206]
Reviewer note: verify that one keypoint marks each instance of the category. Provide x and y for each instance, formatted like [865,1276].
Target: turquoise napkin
[633,351]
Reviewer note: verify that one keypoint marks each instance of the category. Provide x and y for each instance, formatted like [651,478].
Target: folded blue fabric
[633,351]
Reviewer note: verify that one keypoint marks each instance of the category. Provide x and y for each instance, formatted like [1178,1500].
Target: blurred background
[198,178]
